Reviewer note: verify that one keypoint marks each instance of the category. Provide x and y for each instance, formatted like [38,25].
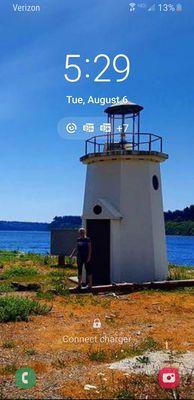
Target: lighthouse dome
[123,107]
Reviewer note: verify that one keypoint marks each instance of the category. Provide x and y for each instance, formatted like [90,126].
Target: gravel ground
[151,362]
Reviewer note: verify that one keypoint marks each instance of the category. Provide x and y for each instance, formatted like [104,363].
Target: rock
[111,316]
[89,387]
[25,287]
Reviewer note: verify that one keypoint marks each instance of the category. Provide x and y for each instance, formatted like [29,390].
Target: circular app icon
[71,127]
[25,378]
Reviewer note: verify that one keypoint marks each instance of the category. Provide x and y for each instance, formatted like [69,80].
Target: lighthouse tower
[123,210]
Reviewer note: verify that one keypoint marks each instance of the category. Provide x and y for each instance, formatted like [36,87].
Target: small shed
[63,241]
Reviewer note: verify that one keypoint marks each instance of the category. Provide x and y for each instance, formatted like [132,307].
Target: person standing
[84,252]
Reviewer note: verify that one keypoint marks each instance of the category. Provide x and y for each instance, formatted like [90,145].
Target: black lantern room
[127,115]
[123,134]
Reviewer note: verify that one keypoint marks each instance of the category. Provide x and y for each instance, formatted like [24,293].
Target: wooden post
[61,260]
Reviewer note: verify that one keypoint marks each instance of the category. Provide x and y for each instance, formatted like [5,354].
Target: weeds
[8,344]
[124,394]
[143,360]
[30,352]
[97,356]
[150,344]
[10,369]
[59,363]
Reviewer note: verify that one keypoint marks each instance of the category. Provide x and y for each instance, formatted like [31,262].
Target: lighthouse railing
[126,142]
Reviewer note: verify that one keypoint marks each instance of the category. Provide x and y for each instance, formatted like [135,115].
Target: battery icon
[179,7]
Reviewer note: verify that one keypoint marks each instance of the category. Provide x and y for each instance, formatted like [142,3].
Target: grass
[110,355]
[177,272]
[56,274]
[7,256]
[150,344]
[45,295]
[60,289]
[127,352]
[19,271]
[19,308]
[59,283]
[6,288]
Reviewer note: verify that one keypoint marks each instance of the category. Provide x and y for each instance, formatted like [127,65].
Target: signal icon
[152,8]
[132,7]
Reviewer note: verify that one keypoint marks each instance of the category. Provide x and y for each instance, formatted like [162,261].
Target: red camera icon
[168,378]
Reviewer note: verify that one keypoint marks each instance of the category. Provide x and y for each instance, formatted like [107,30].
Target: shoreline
[180,249]
[168,232]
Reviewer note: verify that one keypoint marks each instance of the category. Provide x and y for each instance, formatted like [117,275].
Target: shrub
[19,309]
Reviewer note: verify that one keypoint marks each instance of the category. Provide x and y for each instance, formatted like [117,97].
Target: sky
[40,172]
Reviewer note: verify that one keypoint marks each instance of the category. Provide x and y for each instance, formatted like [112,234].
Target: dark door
[98,230]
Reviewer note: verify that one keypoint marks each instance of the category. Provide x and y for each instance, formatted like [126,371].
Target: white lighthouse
[123,210]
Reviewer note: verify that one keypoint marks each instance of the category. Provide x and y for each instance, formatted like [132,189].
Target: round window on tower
[155,182]
[97,209]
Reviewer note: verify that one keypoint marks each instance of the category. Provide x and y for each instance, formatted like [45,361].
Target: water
[27,241]
[180,248]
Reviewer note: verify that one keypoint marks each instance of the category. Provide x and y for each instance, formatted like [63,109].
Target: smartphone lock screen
[96,199]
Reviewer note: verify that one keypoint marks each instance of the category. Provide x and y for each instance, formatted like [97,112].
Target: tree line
[178,222]
[180,215]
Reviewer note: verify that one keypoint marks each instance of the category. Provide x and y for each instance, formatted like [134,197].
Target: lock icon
[97,324]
